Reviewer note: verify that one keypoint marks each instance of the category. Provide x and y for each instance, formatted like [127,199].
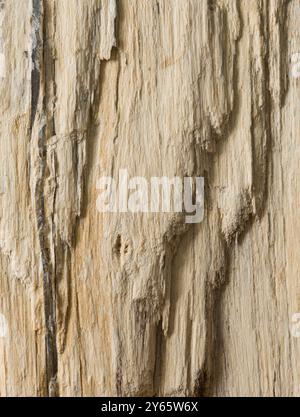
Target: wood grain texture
[144,304]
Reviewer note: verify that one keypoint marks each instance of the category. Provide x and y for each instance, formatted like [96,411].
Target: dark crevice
[40,74]
[36,40]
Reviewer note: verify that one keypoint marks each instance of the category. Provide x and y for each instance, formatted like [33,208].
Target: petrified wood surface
[128,304]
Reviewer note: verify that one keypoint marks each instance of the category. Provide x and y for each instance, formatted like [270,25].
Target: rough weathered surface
[131,304]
